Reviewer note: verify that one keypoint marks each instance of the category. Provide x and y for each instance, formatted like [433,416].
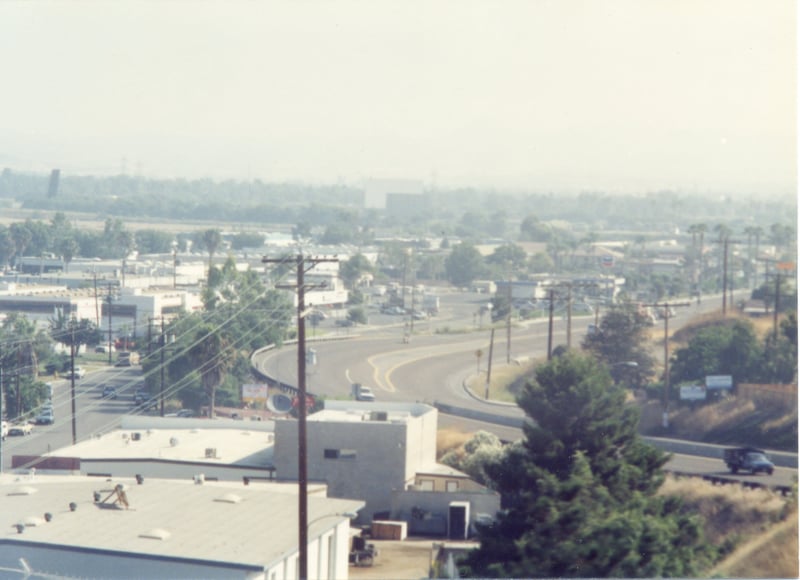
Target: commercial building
[83,527]
[379,453]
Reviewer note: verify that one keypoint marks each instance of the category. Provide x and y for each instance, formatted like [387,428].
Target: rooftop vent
[136,436]
[173,441]
[23,490]
[199,479]
[156,534]
[229,498]
[211,452]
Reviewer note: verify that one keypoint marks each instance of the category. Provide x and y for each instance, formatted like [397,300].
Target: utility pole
[2,401]
[568,286]
[725,242]
[96,302]
[72,380]
[667,306]
[508,318]
[489,365]
[163,343]
[550,327]
[303,264]
[110,334]
[174,266]
[780,267]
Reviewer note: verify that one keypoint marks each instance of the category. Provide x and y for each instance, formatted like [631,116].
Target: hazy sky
[601,94]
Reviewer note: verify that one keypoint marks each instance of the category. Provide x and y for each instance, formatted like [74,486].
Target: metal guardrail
[779,458]
[784,490]
[280,385]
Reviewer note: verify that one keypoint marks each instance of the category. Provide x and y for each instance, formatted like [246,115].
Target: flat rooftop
[355,411]
[220,522]
[238,443]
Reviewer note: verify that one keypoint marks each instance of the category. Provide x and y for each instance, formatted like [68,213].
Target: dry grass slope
[773,554]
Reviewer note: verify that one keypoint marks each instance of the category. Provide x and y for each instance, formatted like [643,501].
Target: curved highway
[432,367]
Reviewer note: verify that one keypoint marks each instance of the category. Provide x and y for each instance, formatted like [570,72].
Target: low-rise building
[169,448]
[377,452]
[83,527]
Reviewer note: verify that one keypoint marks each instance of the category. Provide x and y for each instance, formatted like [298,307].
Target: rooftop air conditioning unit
[136,436]
[379,416]
[211,452]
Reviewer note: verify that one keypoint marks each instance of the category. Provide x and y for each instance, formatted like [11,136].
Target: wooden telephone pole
[302,265]
[725,243]
[667,313]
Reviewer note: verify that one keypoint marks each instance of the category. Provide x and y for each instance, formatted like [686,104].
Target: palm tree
[211,240]
[69,249]
[212,356]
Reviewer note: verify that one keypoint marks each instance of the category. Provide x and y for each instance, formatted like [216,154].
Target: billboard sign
[254,393]
[693,393]
[719,382]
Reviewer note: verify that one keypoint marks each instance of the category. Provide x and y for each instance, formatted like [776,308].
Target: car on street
[45,417]
[77,372]
[20,429]
[109,393]
[345,322]
[316,316]
[748,459]
[146,403]
[183,413]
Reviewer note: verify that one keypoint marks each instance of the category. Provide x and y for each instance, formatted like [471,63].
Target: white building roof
[346,411]
[234,442]
[221,523]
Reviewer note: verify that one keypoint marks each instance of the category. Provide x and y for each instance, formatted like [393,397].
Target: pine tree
[579,492]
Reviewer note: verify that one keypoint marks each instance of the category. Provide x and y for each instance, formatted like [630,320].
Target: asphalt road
[433,366]
[94,414]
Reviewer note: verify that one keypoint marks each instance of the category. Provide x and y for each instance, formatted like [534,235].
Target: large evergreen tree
[579,492]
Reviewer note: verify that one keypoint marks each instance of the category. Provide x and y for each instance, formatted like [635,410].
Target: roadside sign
[693,393]
[254,393]
[719,382]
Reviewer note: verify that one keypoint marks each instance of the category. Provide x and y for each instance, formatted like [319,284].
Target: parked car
[184,413]
[316,316]
[20,429]
[78,372]
[345,322]
[140,397]
[362,393]
[4,431]
[109,393]
[45,417]
[150,404]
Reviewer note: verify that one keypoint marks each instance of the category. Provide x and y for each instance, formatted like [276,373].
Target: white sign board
[693,393]
[254,393]
[719,382]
